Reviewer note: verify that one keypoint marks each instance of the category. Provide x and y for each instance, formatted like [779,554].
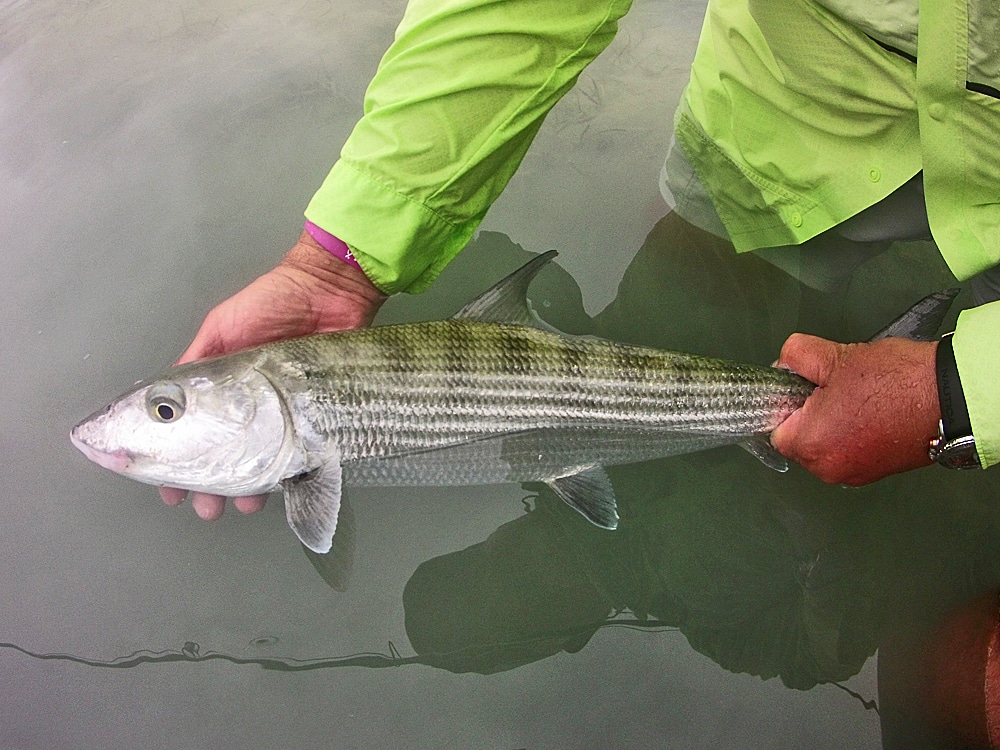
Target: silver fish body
[412,390]
[487,396]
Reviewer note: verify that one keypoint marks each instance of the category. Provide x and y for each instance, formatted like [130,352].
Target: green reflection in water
[770,575]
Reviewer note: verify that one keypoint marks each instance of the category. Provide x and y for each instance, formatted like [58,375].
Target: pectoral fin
[335,566]
[761,449]
[312,504]
[590,493]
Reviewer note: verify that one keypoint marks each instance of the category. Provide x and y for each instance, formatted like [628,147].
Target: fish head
[216,426]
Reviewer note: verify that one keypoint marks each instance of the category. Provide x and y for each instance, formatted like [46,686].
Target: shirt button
[874,174]
[796,219]
[937,111]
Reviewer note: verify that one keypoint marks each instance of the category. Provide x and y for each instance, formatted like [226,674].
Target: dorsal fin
[507,300]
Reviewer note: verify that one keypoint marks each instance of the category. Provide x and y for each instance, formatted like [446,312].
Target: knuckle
[791,347]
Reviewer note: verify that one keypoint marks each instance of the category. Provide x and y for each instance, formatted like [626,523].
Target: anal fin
[590,493]
[761,449]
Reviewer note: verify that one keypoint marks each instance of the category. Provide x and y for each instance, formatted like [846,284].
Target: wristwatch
[955,445]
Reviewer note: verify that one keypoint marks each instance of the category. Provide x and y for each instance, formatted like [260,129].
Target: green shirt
[465,86]
[795,119]
[454,105]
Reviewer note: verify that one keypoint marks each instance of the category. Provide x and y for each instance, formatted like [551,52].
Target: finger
[208,507]
[810,356]
[206,343]
[172,495]
[199,349]
[784,435]
[250,503]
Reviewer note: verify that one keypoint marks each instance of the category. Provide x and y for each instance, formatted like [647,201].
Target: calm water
[155,158]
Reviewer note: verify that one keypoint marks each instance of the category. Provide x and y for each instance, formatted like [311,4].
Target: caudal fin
[922,321]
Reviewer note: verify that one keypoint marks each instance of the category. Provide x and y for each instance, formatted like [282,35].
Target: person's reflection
[522,595]
[771,575]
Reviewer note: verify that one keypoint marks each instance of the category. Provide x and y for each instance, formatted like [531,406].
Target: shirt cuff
[400,244]
[977,353]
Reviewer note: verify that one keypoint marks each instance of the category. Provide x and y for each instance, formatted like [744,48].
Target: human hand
[873,413]
[309,291]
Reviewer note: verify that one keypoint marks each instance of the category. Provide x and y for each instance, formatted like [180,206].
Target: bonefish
[490,395]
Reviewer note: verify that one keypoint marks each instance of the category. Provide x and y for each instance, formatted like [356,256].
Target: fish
[490,395]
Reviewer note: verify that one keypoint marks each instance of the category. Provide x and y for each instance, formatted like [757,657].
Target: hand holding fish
[309,291]
[493,395]
[873,413]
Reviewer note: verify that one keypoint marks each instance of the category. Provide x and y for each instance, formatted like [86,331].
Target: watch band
[955,446]
[954,412]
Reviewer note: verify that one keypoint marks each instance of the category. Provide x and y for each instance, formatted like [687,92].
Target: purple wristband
[334,245]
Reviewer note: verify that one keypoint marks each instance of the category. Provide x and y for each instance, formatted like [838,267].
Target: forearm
[448,117]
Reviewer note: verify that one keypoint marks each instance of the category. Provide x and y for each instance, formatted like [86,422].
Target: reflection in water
[769,575]
[191,652]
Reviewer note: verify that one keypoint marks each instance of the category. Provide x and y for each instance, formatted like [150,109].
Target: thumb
[810,356]
[207,342]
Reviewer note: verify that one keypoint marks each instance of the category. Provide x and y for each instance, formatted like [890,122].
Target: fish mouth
[117,461]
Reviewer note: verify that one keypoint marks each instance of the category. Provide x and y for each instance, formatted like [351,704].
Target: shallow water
[155,158]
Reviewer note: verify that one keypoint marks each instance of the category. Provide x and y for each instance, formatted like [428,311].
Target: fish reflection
[799,584]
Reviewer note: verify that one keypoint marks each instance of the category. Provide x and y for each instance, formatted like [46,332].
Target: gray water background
[155,158]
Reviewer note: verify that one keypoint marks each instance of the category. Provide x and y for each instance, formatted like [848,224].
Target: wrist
[310,256]
[333,283]
[332,244]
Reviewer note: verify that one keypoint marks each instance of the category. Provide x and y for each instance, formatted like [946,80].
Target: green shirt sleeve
[448,117]
[977,353]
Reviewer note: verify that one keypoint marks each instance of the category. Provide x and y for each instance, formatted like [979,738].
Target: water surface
[157,157]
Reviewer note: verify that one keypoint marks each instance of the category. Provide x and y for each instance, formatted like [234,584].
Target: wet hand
[873,413]
[309,291]
[210,507]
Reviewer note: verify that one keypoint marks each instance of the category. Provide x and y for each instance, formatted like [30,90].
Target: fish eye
[166,410]
[166,403]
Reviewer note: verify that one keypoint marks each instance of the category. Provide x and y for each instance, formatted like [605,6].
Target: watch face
[959,453]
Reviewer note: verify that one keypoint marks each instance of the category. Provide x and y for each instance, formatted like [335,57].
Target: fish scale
[480,378]
[488,396]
